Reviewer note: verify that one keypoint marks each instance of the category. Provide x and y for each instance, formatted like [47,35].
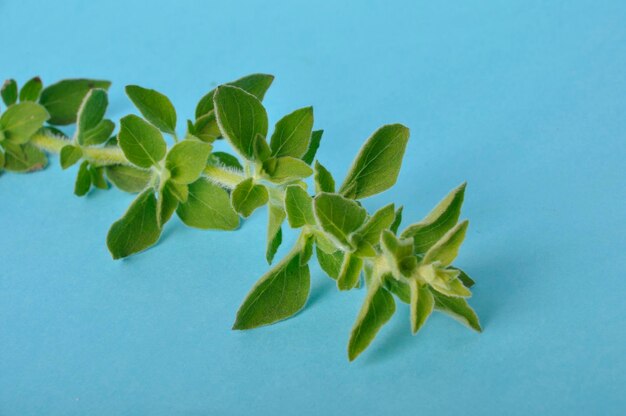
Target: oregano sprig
[214,190]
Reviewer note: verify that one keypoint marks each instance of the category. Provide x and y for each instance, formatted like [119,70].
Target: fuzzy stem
[98,156]
[113,155]
[228,178]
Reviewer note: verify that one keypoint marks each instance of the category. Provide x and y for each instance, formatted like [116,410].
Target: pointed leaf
[316,138]
[338,216]
[31,90]
[330,263]
[438,222]
[274,231]
[83,180]
[350,272]
[376,167]
[459,309]
[63,99]
[70,155]
[187,159]
[447,248]
[141,142]
[324,181]
[463,277]
[208,207]
[20,121]
[91,112]
[422,303]
[292,133]
[138,228]
[97,177]
[279,294]
[255,84]
[248,196]
[154,106]
[396,221]
[97,135]
[241,117]
[205,128]
[286,169]
[167,201]
[261,150]
[377,309]
[9,92]
[381,220]
[299,207]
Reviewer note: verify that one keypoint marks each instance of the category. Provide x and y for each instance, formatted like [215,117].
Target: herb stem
[98,156]
[228,178]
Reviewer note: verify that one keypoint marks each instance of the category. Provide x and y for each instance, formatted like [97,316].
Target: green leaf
[372,228]
[206,128]
[248,196]
[178,191]
[338,216]
[83,180]
[279,294]
[63,99]
[128,178]
[286,169]
[422,303]
[225,159]
[9,92]
[138,228]
[274,231]
[307,249]
[91,112]
[154,106]
[396,221]
[70,155]
[377,309]
[299,207]
[1,158]
[324,241]
[463,277]
[399,288]
[97,177]
[167,201]
[99,134]
[187,159]
[330,263]
[376,167]
[261,149]
[324,181]
[399,254]
[438,222]
[255,84]
[292,134]
[20,121]
[141,142]
[31,90]
[208,207]
[350,272]
[23,158]
[458,308]
[447,248]
[241,117]
[316,138]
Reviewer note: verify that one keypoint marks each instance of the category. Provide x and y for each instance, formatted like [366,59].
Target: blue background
[523,99]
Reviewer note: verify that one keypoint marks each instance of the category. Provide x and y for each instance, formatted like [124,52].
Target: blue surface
[525,100]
